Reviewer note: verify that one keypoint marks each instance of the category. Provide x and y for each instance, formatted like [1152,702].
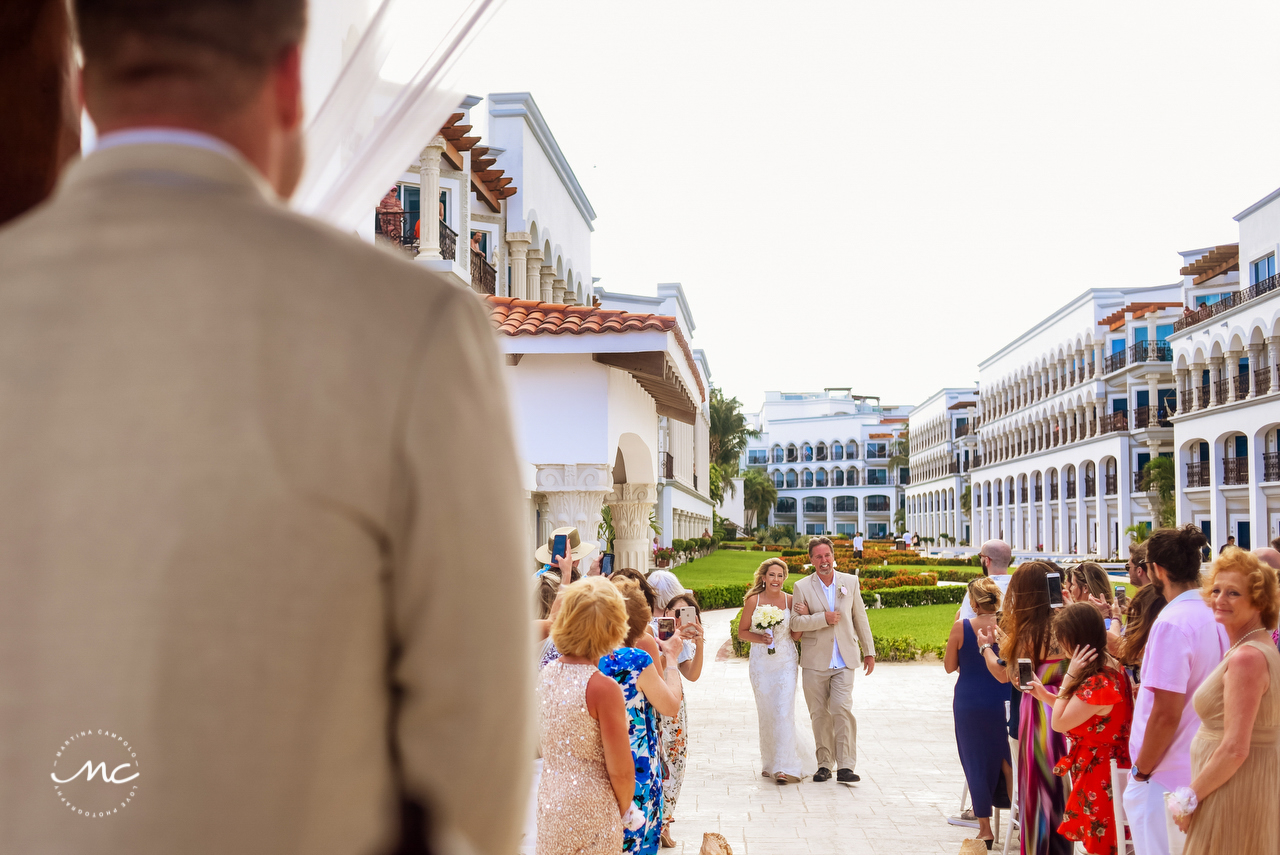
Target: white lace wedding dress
[783,748]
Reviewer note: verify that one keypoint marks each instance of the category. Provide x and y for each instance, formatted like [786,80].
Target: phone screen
[606,564]
[687,615]
[666,627]
[1055,590]
[1119,590]
[1025,674]
[559,547]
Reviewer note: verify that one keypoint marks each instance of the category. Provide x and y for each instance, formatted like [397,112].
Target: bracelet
[983,648]
[1072,676]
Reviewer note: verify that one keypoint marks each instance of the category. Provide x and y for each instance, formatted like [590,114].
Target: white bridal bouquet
[764,620]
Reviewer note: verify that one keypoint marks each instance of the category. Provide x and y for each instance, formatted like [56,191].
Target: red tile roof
[515,317]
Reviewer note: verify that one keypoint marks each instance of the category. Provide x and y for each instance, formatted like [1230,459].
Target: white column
[533,286]
[575,494]
[631,506]
[1104,523]
[1255,359]
[557,289]
[1197,375]
[1273,357]
[429,199]
[1082,513]
[1231,369]
[1018,541]
[547,276]
[1124,486]
[518,247]
[1098,357]
[1033,523]
[862,516]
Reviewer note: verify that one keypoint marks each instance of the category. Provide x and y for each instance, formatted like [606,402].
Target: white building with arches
[1227,362]
[942,445]
[1069,413]
[828,455]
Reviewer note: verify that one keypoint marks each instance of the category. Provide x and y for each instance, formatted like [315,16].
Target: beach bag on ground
[715,844]
[973,846]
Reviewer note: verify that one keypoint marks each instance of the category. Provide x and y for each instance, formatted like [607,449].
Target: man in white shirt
[857,545]
[996,557]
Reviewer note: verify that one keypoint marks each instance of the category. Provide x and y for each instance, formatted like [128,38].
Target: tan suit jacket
[852,632]
[249,467]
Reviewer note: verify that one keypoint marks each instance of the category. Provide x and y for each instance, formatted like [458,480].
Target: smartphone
[666,627]
[1119,591]
[606,564]
[1026,673]
[559,547]
[1055,590]
[687,615]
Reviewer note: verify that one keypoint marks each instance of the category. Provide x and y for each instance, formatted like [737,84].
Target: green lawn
[928,625]
[725,567]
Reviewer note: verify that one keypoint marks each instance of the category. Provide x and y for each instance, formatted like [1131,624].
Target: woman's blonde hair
[1093,579]
[984,593]
[757,586]
[1259,580]
[592,620]
[638,612]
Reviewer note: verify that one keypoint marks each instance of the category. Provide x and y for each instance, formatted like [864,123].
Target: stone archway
[631,503]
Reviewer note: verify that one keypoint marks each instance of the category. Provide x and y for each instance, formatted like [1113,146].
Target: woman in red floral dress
[1095,709]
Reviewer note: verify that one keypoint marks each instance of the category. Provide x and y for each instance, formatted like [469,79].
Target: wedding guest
[1183,647]
[1235,764]
[250,407]
[41,131]
[979,709]
[588,777]
[1094,707]
[554,578]
[1268,556]
[675,731]
[650,681]
[1027,623]
[1130,646]
[996,556]
[646,588]
[1086,580]
[666,585]
[1137,565]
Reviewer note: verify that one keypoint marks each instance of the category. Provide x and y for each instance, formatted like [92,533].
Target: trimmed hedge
[740,547]
[965,576]
[721,596]
[888,649]
[917,580]
[915,596]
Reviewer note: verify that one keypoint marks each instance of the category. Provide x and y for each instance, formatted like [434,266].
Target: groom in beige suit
[830,613]
[253,475]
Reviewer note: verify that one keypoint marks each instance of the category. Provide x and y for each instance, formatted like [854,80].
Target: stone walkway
[911,775]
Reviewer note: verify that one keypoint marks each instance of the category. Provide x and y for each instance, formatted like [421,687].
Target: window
[877,476]
[1210,299]
[851,450]
[793,456]
[791,479]
[837,452]
[820,479]
[1163,331]
[808,478]
[837,478]
[878,504]
[822,451]
[756,456]
[1139,334]
[814,528]
[806,453]
[815,505]
[847,528]
[777,479]
[852,479]
[444,206]
[1263,268]
[786,505]
[1117,345]
[846,504]
[877,531]
[777,454]
[877,451]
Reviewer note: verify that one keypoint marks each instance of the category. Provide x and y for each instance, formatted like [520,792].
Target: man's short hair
[228,44]
[998,552]
[818,541]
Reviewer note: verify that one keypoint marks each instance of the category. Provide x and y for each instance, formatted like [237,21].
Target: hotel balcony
[1110,484]
[1142,351]
[1198,474]
[1271,466]
[1230,301]
[1117,422]
[1114,362]
[484,277]
[1142,418]
[1235,470]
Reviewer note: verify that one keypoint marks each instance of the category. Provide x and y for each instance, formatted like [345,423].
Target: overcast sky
[880,195]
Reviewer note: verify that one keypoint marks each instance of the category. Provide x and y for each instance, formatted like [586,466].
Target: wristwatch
[1139,775]
[983,648]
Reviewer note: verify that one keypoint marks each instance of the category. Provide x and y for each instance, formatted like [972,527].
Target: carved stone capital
[575,494]
[519,237]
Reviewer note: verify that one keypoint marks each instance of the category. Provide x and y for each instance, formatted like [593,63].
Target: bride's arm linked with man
[830,613]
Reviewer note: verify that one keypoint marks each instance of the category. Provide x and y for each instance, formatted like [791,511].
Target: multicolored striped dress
[1041,794]
[624,667]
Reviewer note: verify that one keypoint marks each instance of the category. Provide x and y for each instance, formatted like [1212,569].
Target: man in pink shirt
[1185,644]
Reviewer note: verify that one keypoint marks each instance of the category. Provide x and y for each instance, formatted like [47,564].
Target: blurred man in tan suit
[261,588]
[830,613]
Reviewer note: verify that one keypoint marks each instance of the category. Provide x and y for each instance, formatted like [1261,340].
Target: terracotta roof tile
[514,317]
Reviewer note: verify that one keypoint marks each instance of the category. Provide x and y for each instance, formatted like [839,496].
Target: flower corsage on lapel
[843,591]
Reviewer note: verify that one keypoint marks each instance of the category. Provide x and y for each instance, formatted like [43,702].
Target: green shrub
[734,545]
[790,553]
[965,576]
[896,649]
[677,544]
[915,596]
[913,580]
[721,596]
[740,648]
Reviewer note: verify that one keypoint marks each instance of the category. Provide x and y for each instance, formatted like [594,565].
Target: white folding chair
[1119,780]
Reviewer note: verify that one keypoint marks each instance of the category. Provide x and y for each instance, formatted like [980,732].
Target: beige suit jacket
[852,632]
[249,467]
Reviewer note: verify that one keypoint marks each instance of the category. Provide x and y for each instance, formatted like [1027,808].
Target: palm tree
[900,450]
[1159,477]
[1138,531]
[758,496]
[729,434]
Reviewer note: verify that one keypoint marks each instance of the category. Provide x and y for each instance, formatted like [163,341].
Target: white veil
[391,93]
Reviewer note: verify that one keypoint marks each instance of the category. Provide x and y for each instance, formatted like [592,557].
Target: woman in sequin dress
[675,731]
[587,775]
[650,681]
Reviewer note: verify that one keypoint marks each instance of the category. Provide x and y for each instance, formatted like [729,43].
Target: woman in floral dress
[1094,707]
[647,692]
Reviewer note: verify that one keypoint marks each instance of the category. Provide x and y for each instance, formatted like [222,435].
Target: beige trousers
[829,695]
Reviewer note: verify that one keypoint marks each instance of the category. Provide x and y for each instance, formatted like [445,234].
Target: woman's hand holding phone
[672,647]
[565,564]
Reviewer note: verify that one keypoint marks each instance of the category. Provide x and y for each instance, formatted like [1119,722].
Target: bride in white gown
[785,756]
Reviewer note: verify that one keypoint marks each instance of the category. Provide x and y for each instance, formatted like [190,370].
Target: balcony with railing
[963,430]
[668,465]
[1142,418]
[1116,422]
[1242,385]
[1038,492]
[397,228]
[1202,396]
[484,278]
[1071,489]
[1022,495]
[1053,492]
[1114,362]
[1271,466]
[1235,470]
[1110,484]
[1137,482]
[953,467]
[1221,389]
[1090,487]
[1262,380]
[1230,301]
[1145,351]
[1198,474]
[975,461]
[448,242]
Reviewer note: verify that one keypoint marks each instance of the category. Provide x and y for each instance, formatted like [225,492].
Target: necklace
[1243,637]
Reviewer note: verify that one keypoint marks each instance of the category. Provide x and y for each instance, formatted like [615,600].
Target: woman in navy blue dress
[979,709]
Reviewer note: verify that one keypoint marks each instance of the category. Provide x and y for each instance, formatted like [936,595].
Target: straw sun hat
[578,549]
